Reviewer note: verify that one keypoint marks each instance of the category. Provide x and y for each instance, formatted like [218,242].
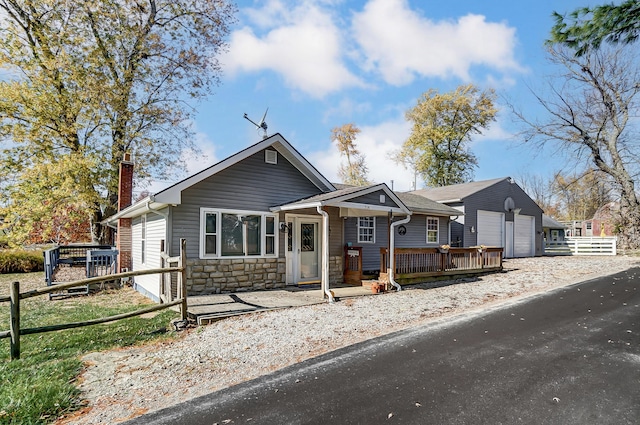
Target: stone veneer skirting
[214,276]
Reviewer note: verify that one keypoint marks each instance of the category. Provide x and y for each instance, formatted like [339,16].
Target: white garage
[524,243]
[490,228]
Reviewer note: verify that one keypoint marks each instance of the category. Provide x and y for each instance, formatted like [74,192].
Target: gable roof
[172,195]
[456,192]
[341,197]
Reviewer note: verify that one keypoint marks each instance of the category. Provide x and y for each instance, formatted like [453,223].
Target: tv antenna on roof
[262,125]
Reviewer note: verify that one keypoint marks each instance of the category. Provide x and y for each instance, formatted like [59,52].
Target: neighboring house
[262,218]
[493,213]
[572,228]
[553,230]
[603,221]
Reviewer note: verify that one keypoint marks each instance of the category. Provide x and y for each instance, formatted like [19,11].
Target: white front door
[304,251]
[309,250]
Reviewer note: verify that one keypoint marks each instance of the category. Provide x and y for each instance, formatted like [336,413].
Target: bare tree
[579,196]
[540,189]
[587,115]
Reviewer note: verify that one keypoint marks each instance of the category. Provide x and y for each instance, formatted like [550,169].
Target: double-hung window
[432,230]
[226,233]
[143,238]
[366,229]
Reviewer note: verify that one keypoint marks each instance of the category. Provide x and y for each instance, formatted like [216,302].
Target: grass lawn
[39,388]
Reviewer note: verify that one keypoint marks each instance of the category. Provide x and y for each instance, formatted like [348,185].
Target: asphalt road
[570,356]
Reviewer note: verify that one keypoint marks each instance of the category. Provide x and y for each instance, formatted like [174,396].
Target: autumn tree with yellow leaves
[354,172]
[443,126]
[83,83]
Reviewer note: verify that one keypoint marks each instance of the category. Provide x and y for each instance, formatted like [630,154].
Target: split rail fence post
[15,320]
[182,277]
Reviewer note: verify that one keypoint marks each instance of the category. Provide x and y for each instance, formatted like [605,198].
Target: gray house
[493,213]
[266,218]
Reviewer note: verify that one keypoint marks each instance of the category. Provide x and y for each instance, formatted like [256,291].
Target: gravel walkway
[126,383]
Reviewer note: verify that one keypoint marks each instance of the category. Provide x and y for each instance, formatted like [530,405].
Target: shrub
[4,240]
[19,261]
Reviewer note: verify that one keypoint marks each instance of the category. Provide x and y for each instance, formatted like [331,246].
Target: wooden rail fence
[15,296]
[413,264]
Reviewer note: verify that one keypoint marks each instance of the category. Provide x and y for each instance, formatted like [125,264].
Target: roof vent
[270,157]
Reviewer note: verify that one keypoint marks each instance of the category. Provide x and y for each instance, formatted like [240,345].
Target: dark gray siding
[492,199]
[250,184]
[370,251]
[373,198]
[415,237]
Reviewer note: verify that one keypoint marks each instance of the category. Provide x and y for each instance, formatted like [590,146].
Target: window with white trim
[366,229]
[210,233]
[228,233]
[432,229]
[270,235]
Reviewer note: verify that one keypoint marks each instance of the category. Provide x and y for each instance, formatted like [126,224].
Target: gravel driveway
[122,384]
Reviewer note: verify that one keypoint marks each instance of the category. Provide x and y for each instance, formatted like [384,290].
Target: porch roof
[548,221]
[344,199]
[420,204]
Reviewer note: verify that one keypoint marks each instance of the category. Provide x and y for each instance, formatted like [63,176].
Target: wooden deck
[413,265]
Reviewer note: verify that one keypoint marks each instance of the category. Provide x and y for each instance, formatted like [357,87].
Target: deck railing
[413,264]
[98,260]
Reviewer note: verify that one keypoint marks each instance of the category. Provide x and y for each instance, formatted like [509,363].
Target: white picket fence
[584,245]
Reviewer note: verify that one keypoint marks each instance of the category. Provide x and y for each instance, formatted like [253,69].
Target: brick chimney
[125,198]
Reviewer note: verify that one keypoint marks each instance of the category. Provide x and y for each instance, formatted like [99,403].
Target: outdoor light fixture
[284,227]
[473,229]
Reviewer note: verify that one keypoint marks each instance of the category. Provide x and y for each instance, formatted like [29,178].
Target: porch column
[324,279]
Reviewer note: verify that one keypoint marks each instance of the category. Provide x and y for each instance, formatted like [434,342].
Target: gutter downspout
[392,257]
[149,209]
[325,253]
[451,220]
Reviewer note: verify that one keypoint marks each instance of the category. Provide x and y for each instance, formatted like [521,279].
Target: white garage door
[490,228]
[524,236]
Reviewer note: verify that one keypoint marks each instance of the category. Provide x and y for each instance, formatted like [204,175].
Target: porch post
[389,220]
[324,280]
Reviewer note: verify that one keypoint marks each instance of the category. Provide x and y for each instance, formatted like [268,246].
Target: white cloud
[198,161]
[306,48]
[346,109]
[401,44]
[377,143]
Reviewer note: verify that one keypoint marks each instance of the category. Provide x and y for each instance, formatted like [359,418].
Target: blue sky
[318,64]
